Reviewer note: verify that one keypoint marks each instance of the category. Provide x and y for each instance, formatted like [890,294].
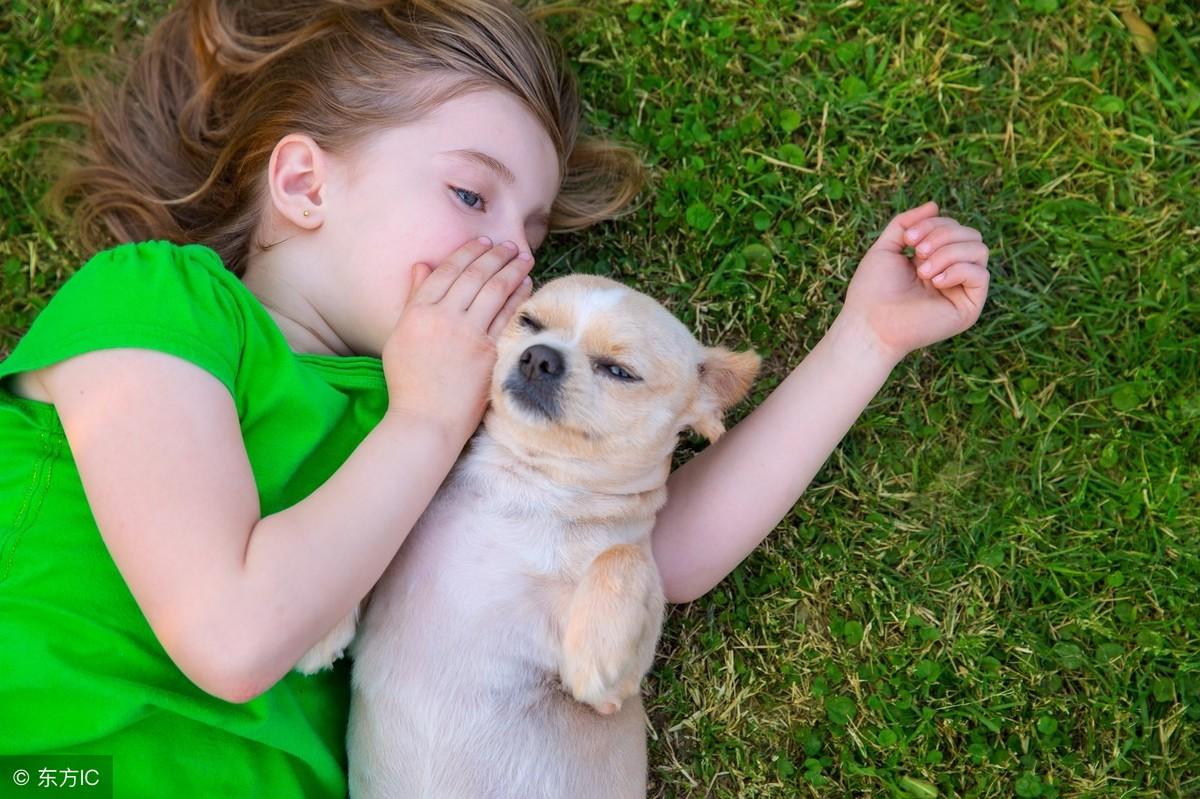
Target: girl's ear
[725,378]
[296,175]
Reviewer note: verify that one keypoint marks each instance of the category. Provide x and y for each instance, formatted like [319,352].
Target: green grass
[992,588]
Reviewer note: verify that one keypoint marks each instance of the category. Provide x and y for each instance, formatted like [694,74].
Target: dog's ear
[725,378]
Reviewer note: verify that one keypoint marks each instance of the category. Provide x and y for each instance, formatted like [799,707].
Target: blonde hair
[177,149]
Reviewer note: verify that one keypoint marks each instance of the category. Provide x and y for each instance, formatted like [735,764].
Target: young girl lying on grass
[218,433]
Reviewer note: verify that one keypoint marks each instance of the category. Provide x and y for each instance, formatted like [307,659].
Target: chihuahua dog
[502,652]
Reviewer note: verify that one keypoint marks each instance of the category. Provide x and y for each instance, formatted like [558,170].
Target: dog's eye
[529,322]
[617,371]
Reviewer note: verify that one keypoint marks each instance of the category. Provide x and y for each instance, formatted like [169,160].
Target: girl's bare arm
[235,599]
[723,502]
[726,500]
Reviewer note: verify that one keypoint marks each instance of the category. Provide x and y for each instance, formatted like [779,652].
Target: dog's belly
[455,683]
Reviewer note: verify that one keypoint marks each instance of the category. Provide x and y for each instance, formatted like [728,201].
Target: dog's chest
[493,529]
[476,595]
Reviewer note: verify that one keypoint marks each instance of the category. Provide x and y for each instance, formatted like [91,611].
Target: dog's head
[599,380]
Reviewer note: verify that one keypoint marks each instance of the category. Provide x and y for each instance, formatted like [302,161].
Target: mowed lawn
[992,589]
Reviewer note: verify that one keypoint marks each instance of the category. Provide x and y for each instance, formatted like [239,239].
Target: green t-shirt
[80,668]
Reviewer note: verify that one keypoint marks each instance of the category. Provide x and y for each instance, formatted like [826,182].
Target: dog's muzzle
[536,382]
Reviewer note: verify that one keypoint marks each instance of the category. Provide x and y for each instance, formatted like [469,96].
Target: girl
[219,433]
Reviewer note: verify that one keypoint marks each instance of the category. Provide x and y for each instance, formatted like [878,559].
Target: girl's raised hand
[910,303]
[438,360]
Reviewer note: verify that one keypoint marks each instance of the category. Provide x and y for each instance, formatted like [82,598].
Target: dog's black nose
[540,362]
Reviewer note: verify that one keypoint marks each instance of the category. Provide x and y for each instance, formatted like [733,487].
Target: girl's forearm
[723,502]
[307,566]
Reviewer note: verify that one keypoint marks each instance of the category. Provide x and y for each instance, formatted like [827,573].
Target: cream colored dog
[502,651]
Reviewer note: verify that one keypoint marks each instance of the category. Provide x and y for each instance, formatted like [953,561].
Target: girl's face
[478,165]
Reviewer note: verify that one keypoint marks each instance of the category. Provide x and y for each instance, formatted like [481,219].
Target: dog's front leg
[613,622]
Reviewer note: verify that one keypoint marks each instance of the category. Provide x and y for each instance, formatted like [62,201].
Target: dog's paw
[591,683]
[613,624]
[329,648]
[607,708]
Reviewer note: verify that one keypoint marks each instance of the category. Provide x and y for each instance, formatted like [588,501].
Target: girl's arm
[724,501]
[234,599]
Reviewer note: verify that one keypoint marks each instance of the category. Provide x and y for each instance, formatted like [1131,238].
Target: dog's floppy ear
[725,378]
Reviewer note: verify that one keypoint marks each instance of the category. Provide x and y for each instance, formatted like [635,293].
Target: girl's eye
[470,199]
[615,370]
[530,323]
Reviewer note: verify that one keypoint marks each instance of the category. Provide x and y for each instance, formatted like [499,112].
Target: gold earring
[306,212]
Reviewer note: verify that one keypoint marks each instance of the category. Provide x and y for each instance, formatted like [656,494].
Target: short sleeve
[157,295]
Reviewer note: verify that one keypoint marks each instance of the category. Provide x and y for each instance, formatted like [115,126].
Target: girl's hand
[909,303]
[438,360]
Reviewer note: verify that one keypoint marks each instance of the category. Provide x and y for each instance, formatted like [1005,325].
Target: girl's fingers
[972,277]
[969,252]
[420,273]
[475,278]
[918,230]
[916,233]
[892,237]
[940,236]
[434,288]
[518,297]
[494,295]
